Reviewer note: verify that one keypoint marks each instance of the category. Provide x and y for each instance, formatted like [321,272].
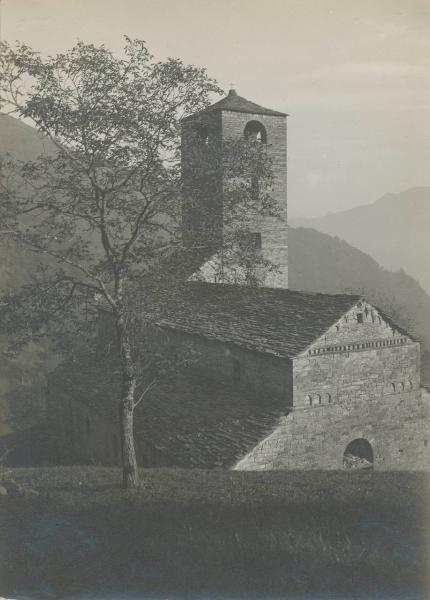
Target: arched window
[317,398]
[308,400]
[393,387]
[400,386]
[409,385]
[327,398]
[256,132]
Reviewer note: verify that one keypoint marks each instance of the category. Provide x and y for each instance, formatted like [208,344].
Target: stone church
[282,379]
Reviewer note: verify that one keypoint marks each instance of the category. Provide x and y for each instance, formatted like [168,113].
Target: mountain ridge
[21,140]
[393,229]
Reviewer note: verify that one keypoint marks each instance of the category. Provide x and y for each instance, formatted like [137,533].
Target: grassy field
[217,534]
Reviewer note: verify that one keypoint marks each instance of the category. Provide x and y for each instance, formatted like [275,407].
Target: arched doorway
[358,455]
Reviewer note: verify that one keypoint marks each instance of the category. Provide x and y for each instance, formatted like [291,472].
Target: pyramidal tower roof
[233,102]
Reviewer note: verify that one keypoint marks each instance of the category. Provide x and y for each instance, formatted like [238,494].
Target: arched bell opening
[255,132]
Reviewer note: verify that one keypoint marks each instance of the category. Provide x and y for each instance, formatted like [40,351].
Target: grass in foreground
[68,530]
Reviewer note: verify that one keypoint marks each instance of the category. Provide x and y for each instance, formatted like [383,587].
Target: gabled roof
[277,321]
[234,103]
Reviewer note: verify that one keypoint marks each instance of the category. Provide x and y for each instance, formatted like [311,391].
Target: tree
[100,212]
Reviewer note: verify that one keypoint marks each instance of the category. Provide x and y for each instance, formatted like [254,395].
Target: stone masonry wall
[396,426]
[262,374]
[202,197]
[360,356]
[274,231]
[360,380]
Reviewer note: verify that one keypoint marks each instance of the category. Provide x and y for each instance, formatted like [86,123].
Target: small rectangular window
[236,370]
[359,317]
[256,240]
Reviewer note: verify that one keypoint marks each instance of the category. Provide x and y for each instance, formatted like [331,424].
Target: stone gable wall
[356,360]
[360,380]
[349,329]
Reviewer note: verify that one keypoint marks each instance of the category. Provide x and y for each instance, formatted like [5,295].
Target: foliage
[101,213]
[96,207]
[227,186]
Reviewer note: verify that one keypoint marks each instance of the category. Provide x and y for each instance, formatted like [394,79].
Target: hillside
[321,263]
[394,230]
[25,143]
[21,140]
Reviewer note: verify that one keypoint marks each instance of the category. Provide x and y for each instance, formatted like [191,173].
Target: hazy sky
[353,75]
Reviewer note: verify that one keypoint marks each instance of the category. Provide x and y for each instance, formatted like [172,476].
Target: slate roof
[198,424]
[278,321]
[183,422]
[234,103]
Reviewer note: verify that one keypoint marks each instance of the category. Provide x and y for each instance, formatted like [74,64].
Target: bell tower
[202,219]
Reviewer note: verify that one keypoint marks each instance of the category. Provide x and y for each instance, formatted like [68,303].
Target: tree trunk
[130,473]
